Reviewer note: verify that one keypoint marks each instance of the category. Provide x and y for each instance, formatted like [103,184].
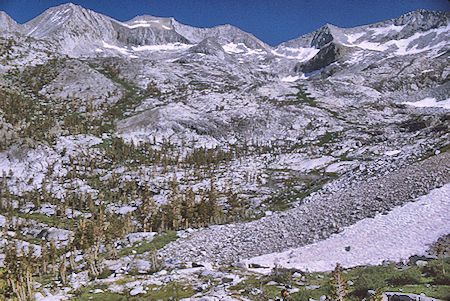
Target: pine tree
[115,229]
[338,284]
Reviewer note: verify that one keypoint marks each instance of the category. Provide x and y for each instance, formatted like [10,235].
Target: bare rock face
[7,24]
[147,30]
[209,46]
[328,54]
[322,37]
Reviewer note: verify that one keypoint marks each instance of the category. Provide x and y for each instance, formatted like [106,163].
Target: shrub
[409,276]
[436,269]
[302,295]
[371,278]
[280,275]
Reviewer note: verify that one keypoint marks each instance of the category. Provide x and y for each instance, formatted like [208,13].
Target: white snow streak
[400,47]
[289,79]
[121,50]
[240,48]
[393,152]
[385,30]
[351,38]
[171,46]
[299,162]
[430,102]
[301,54]
[405,231]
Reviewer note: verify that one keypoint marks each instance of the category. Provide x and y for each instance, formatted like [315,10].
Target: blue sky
[273,21]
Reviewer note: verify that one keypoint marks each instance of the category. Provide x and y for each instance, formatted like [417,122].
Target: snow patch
[351,38]
[300,54]
[405,231]
[289,79]
[234,48]
[120,49]
[299,163]
[240,48]
[170,46]
[393,152]
[430,102]
[370,46]
[136,24]
[385,30]
[400,47]
[338,166]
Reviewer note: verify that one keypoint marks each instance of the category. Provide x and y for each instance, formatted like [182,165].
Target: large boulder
[140,236]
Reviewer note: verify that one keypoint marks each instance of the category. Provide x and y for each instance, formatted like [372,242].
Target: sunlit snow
[170,46]
[299,162]
[393,152]
[290,79]
[240,48]
[385,30]
[430,102]
[400,47]
[300,54]
[405,231]
[120,49]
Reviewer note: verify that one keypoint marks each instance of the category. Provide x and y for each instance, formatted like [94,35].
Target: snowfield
[405,231]
[430,102]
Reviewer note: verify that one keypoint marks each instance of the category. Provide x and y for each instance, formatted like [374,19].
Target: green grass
[283,200]
[283,277]
[157,243]
[130,100]
[170,291]
[390,279]
[61,223]
[326,138]
[413,279]
[251,281]
[435,291]
[302,97]
[247,287]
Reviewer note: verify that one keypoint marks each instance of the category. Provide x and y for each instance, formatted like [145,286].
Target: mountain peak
[67,8]
[425,18]
[68,4]
[7,24]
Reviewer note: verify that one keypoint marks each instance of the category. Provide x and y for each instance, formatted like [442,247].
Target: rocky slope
[322,216]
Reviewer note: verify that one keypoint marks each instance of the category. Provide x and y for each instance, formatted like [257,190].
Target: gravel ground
[322,216]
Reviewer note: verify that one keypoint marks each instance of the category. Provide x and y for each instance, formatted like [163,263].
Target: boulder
[140,266]
[140,236]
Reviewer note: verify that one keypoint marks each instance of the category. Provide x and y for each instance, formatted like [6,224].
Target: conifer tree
[338,284]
